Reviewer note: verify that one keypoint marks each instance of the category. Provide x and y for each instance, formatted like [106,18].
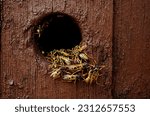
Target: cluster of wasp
[73,64]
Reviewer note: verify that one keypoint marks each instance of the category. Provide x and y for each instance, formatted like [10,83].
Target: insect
[55,73]
[62,52]
[39,30]
[75,66]
[88,79]
[77,49]
[65,59]
[71,78]
[93,74]
[77,60]
[83,56]
[80,48]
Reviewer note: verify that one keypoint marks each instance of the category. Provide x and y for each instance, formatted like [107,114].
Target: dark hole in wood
[57,31]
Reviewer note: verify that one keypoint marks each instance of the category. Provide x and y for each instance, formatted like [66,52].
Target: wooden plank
[0,44]
[131,46]
[24,74]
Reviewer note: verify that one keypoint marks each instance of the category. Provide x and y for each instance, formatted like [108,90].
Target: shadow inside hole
[57,31]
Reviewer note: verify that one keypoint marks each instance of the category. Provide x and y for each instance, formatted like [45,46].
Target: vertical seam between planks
[0,46]
[113,51]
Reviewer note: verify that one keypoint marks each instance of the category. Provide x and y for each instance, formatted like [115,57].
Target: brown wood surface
[0,46]
[24,74]
[131,49]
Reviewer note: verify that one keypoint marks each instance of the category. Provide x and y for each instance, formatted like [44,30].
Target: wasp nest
[73,64]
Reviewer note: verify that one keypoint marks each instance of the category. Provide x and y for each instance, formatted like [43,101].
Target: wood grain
[0,45]
[131,49]
[24,73]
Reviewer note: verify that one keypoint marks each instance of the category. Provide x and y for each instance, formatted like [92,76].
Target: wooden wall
[118,34]
[24,74]
[131,49]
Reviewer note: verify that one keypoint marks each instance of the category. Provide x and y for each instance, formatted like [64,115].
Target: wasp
[80,49]
[62,52]
[83,56]
[77,60]
[93,74]
[55,73]
[66,60]
[39,30]
[88,79]
[71,77]
[76,66]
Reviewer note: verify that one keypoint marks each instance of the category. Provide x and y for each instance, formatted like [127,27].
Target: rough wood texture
[24,74]
[131,44]
[0,44]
